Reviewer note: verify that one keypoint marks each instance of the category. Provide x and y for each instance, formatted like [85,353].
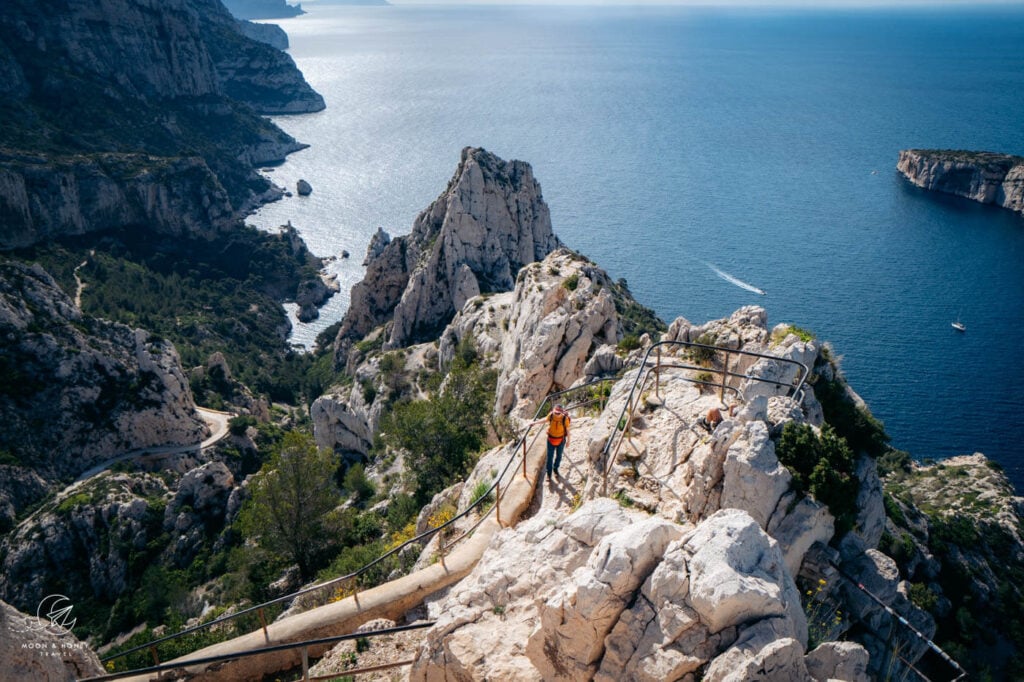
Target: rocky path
[79,284]
[564,491]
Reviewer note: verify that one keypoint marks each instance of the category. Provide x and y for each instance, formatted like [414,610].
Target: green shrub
[442,433]
[702,355]
[571,282]
[401,510]
[861,430]
[240,424]
[825,467]
[482,491]
[369,391]
[358,484]
[923,598]
[629,342]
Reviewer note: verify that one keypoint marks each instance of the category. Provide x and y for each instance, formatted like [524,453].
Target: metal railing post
[725,376]
[263,622]
[525,438]
[657,375]
[305,663]
[497,502]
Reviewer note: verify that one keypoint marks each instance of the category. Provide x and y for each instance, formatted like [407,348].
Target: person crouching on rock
[558,422]
[712,419]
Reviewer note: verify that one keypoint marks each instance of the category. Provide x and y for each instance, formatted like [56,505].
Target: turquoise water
[762,142]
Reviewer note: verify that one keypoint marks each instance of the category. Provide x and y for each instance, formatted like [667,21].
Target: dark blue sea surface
[760,142]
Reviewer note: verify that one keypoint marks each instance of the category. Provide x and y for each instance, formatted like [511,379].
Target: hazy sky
[706,3]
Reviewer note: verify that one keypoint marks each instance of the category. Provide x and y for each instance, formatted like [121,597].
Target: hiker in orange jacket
[558,422]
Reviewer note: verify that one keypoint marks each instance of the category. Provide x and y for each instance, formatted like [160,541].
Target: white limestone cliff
[985,177]
[607,593]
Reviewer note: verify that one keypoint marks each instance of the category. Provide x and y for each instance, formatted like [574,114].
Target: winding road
[215,419]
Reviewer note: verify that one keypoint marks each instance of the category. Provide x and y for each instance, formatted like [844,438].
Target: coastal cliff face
[985,177]
[461,246]
[699,570]
[43,197]
[94,92]
[263,9]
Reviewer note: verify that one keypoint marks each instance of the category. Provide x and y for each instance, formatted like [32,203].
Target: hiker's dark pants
[555,455]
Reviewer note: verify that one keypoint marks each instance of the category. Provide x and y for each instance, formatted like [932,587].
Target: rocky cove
[729,554]
[686,554]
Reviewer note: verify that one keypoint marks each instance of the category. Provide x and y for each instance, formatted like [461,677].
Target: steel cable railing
[222,658]
[620,429]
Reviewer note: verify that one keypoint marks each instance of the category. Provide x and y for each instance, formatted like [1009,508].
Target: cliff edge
[986,177]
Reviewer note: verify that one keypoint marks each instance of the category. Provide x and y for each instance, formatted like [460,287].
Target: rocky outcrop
[987,177]
[77,390]
[343,420]
[20,487]
[271,34]
[303,188]
[35,649]
[97,540]
[717,595]
[563,311]
[474,238]
[263,9]
[88,543]
[955,530]
[544,335]
[312,294]
[608,594]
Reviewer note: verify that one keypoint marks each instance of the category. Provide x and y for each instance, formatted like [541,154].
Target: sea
[692,151]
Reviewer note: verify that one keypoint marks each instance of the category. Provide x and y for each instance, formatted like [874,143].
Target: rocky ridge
[540,337]
[558,326]
[271,34]
[955,529]
[97,542]
[986,177]
[672,593]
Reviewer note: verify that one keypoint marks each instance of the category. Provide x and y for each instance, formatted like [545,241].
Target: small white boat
[959,326]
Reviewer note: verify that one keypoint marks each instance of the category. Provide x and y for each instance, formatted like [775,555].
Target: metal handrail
[641,380]
[426,535]
[221,658]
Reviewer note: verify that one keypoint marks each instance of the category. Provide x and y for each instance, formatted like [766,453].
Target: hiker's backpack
[557,424]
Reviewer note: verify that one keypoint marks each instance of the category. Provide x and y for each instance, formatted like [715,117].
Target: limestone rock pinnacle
[489,222]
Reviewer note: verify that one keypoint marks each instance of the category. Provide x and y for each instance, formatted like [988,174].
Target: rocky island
[986,177]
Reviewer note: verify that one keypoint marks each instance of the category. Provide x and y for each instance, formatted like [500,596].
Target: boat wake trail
[738,282]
